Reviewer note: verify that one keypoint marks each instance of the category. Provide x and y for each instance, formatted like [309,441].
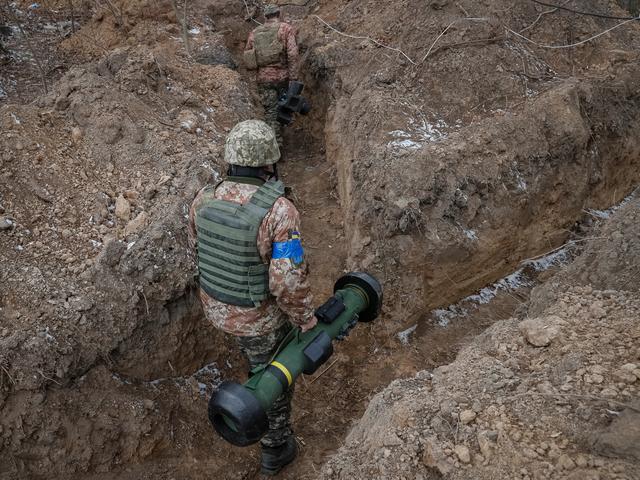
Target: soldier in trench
[253,277]
[272,50]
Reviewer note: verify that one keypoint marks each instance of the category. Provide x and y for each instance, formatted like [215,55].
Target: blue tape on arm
[291,249]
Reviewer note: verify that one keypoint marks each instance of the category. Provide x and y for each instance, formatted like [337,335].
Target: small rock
[131,195]
[76,135]
[434,457]
[564,462]
[136,225]
[122,208]
[6,223]
[66,233]
[485,445]
[597,311]
[188,121]
[462,453]
[625,376]
[448,406]
[582,461]
[539,332]
[148,404]
[468,416]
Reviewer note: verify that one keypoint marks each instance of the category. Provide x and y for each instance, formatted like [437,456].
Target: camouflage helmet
[251,143]
[271,9]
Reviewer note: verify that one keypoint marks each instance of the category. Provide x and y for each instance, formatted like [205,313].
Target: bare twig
[31,48]
[73,20]
[146,303]
[324,371]
[570,45]
[436,41]
[117,14]
[569,243]
[249,13]
[360,37]
[8,374]
[183,23]
[546,12]
[48,378]
[466,14]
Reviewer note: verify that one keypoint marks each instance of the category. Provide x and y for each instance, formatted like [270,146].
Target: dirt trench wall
[98,310]
[518,402]
[514,406]
[452,172]
[465,211]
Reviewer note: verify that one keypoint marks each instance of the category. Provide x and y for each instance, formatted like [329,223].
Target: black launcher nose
[237,415]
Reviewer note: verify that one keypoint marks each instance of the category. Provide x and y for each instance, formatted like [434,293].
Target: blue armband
[291,249]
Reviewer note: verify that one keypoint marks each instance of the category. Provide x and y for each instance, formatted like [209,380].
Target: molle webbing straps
[229,262]
[269,50]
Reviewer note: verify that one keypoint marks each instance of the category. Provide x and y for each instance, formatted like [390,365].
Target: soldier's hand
[305,327]
[344,332]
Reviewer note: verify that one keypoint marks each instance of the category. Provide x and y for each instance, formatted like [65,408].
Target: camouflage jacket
[281,72]
[291,295]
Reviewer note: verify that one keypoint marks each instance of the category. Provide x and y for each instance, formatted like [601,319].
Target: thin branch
[571,45]
[8,374]
[359,37]
[564,245]
[436,41]
[73,20]
[183,22]
[249,13]
[468,42]
[324,371]
[31,48]
[48,378]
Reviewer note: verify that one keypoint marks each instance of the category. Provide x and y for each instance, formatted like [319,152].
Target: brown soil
[513,406]
[106,362]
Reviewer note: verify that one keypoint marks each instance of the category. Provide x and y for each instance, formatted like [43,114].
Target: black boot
[275,459]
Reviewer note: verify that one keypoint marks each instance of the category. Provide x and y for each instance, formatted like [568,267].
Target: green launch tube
[238,412]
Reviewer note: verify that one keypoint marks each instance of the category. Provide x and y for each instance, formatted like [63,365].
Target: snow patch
[419,130]
[405,144]
[604,214]
[405,334]
[516,280]
[470,234]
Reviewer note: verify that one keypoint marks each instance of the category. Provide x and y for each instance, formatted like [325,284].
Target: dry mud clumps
[97,282]
[553,395]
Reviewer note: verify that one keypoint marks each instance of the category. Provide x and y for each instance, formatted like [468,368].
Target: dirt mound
[609,259]
[530,398]
[97,176]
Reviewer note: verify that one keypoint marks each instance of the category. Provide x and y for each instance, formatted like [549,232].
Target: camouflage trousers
[269,95]
[259,351]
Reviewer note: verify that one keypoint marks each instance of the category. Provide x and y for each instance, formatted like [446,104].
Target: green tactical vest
[268,47]
[229,262]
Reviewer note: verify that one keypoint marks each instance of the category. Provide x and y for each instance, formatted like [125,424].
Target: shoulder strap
[262,201]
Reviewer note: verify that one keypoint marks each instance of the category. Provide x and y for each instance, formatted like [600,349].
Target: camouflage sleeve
[293,56]
[279,240]
[200,197]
